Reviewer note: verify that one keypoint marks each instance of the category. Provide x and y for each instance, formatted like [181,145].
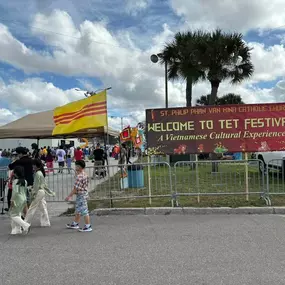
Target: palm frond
[182,56]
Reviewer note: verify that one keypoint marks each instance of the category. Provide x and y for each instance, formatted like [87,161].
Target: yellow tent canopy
[40,126]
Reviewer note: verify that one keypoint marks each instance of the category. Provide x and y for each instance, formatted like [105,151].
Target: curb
[189,211]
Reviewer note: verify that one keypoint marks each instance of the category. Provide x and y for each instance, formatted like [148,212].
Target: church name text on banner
[218,129]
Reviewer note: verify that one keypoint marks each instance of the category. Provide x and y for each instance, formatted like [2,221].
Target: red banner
[219,129]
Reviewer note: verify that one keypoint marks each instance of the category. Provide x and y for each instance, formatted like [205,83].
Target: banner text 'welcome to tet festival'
[197,129]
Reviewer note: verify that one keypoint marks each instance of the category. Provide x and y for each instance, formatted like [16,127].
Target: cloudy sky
[49,48]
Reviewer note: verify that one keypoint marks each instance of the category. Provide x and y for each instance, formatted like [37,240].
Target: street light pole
[166,85]
[154,59]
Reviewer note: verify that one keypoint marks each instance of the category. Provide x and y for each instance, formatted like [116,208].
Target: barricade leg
[2,194]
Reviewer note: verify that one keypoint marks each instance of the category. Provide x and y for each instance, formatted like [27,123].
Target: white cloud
[35,95]
[268,62]
[133,7]
[87,85]
[136,82]
[118,62]
[127,69]
[6,116]
[61,24]
[118,123]
[241,15]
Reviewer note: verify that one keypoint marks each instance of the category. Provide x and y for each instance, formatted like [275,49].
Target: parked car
[271,160]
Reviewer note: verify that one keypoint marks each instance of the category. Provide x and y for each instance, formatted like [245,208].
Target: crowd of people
[65,155]
[24,173]
[49,155]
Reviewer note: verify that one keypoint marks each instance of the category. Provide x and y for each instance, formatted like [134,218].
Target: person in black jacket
[128,155]
[99,160]
[27,163]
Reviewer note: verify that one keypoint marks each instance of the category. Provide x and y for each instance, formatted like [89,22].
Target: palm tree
[225,57]
[215,56]
[182,58]
[227,99]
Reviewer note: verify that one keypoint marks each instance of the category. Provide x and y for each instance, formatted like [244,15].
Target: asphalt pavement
[162,250]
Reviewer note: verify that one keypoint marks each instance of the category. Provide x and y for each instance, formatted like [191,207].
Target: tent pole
[105,143]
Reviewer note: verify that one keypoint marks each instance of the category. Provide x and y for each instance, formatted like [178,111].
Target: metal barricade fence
[61,182]
[275,174]
[196,178]
[130,182]
[161,186]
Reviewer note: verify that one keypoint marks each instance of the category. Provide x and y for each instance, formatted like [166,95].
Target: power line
[15,21]
[56,33]
[98,42]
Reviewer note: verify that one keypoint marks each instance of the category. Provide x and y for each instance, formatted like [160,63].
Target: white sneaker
[72,226]
[26,231]
[15,233]
[86,229]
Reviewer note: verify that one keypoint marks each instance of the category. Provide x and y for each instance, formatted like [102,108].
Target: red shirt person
[78,154]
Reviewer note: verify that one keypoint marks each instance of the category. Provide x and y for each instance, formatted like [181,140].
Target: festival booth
[41,126]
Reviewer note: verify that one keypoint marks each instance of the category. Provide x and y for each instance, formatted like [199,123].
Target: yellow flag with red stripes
[89,113]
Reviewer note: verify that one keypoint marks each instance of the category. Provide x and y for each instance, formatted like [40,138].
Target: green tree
[225,57]
[182,58]
[227,99]
[203,100]
[230,99]
[215,56]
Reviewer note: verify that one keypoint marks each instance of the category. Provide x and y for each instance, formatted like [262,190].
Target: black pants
[2,188]
[9,196]
[61,166]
